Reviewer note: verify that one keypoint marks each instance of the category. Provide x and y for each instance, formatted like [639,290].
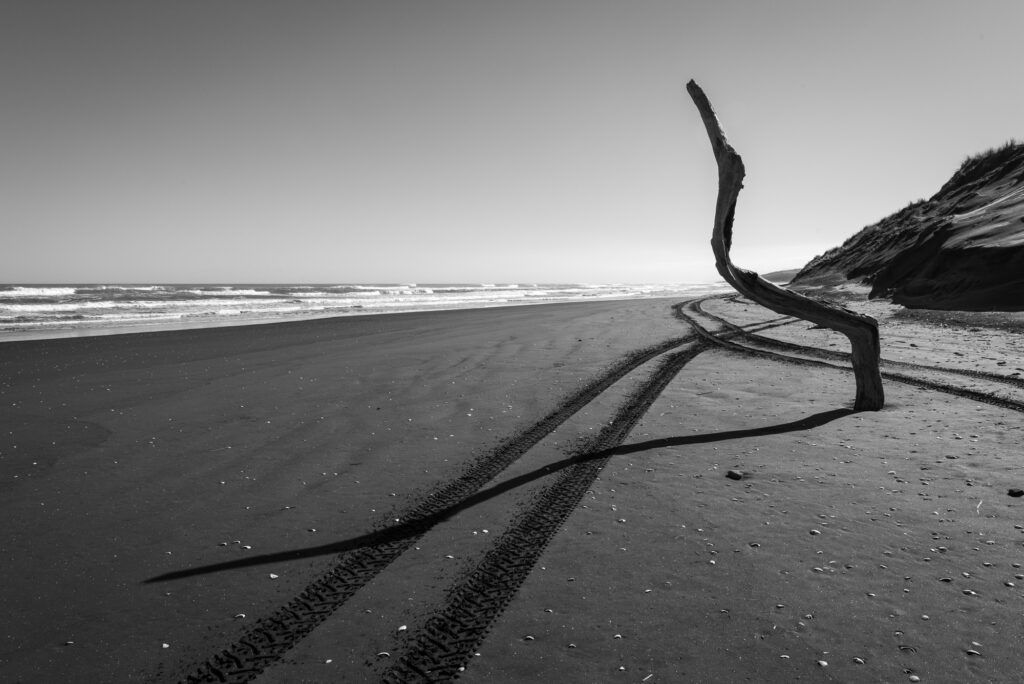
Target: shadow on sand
[419,526]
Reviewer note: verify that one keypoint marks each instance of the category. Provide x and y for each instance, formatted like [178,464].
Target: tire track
[693,307]
[444,644]
[449,637]
[272,636]
[750,334]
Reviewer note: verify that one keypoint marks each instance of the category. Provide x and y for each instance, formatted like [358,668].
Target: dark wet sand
[128,456]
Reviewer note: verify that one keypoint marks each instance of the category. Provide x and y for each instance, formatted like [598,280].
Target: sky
[243,141]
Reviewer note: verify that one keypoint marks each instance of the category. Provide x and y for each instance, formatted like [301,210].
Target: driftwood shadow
[419,526]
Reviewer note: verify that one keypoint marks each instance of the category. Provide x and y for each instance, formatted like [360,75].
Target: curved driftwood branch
[862,330]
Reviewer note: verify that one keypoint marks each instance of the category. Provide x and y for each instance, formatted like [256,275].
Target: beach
[510,494]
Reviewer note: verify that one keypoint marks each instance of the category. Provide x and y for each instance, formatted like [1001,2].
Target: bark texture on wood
[860,329]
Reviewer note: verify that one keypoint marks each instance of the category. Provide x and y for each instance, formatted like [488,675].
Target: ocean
[46,311]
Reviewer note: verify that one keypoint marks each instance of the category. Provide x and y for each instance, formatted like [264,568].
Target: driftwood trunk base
[861,330]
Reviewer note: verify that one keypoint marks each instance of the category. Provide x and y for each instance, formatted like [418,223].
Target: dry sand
[532,494]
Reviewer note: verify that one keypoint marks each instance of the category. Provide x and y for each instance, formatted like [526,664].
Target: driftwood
[861,330]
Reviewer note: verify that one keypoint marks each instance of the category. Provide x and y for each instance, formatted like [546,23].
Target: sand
[519,494]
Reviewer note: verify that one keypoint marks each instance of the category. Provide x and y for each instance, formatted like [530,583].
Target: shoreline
[212,321]
[399,318]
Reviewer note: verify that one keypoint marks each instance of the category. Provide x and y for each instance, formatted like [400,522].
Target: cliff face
[961,249]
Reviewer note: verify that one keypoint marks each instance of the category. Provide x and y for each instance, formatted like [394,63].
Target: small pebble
[822,663]
[859,661]
[240,616]
[734,474]
[273,576]
[914,678]
[815,531]
[403,628]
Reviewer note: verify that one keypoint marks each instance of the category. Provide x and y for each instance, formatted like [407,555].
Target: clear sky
[476,140]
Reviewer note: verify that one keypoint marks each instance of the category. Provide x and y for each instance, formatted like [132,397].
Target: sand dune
[962,249]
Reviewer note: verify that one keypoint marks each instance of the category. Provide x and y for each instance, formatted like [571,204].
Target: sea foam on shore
[41,311]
